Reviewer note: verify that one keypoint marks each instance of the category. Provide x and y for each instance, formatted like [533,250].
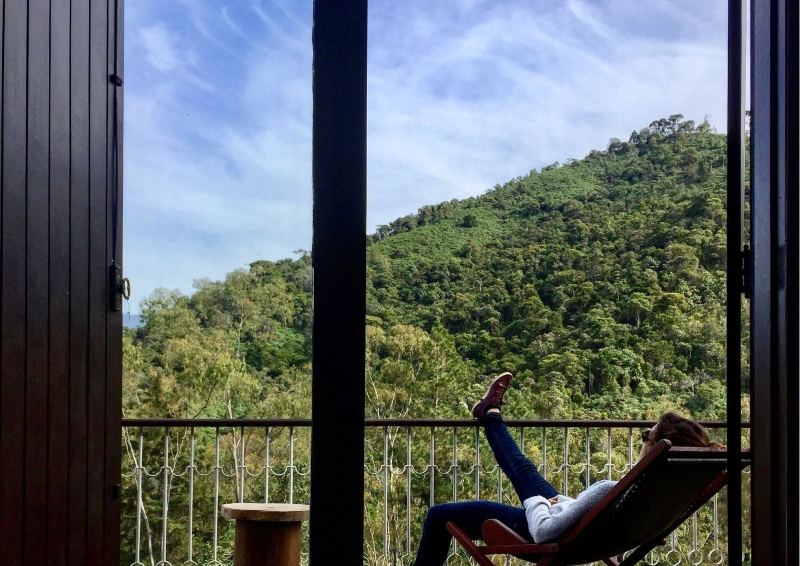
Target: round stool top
[275,512]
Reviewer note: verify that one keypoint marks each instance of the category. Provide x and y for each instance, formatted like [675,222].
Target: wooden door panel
[60,344]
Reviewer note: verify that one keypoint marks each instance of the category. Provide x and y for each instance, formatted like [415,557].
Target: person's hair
[681,431]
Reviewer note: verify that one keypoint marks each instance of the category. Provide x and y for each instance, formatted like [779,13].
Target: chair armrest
[527,551]
[495,532]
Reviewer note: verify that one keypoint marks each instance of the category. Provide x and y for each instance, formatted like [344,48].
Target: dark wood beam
[737,34]
[339,263]
[774,347]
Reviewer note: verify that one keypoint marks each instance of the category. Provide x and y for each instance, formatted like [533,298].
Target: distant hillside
[600,282]
[131,320]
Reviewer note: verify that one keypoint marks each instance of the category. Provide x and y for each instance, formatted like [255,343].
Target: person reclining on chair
[545,515]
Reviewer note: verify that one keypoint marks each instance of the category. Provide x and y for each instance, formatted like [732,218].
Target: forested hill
[600,283]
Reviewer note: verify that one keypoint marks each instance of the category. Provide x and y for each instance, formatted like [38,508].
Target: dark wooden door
[774,315]
[60,341]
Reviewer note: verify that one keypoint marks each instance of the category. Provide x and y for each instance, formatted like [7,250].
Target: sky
[462,95]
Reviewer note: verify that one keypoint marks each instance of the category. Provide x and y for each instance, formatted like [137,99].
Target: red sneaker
[493,397]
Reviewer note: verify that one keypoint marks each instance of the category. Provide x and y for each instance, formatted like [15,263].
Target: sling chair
[661,491]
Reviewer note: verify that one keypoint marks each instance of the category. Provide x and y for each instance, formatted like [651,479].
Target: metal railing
[178,473]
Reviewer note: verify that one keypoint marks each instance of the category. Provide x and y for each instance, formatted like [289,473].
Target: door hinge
[747,271]
[115,490]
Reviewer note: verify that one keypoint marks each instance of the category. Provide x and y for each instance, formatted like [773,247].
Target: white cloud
[159,47]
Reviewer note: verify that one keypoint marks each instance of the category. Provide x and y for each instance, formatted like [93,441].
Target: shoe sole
[488,389]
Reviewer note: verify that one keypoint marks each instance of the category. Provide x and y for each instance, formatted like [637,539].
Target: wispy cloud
[217,141]
[486,92]
[462,94]
[159,48]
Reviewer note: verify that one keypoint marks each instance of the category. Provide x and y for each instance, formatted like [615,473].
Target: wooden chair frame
[500,539]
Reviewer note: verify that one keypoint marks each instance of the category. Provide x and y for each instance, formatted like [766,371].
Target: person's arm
[545,526]
[542,525]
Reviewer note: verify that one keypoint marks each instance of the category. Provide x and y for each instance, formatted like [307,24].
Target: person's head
[679,431]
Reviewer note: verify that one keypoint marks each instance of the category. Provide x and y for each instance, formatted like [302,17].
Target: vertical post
[139,500]
[165,500]
[385,467]
[190,524]
[588,471]
[477,464]
[215,536]
[454,467]
[544,451]
[630,450]
[339,261]
[113,372]
[715,527]
[291,464]
[774,316]
[242,470]
[266,465]
[792,250]
[737,32]
[761,317]
[565,489]
[409,468]
[432,469]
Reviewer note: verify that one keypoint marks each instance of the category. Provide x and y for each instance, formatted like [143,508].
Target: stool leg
[261,543]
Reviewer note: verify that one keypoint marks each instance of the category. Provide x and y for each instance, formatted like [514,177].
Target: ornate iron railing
[177,474]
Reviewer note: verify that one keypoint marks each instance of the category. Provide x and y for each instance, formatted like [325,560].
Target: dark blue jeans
[470,515]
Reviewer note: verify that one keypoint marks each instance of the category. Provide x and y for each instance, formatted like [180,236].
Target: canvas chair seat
[647,504]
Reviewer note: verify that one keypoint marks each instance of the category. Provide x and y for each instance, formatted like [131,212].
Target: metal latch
[119,286]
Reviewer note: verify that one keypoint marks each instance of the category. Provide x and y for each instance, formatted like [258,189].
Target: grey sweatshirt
[548,521]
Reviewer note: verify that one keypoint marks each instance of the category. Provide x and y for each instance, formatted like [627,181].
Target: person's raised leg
[524,475]
[434,545]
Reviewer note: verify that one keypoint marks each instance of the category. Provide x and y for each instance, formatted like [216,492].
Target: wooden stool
[267,534]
